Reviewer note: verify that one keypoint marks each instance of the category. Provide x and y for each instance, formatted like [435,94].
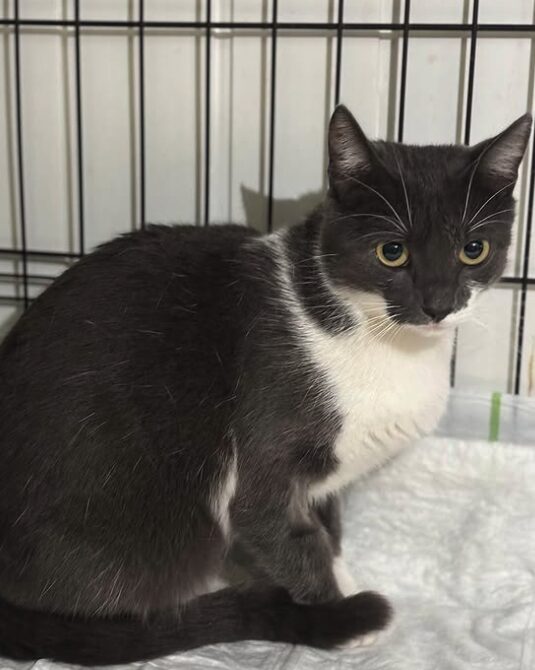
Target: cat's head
[417,232]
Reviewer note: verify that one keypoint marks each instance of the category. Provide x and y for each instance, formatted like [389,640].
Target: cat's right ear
[498,159]
[350,153]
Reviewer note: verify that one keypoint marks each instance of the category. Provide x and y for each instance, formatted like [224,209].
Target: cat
[187,403]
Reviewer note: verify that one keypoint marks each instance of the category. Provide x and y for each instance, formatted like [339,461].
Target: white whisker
[485,223]
[409,213]
[486,219]
[468,192]
[379,195]
[489,199]
[476,165]
[373,216]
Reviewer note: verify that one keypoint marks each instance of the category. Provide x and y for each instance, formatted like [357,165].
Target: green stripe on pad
[494,426]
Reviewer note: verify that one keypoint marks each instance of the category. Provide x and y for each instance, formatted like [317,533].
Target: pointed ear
[349,149]
[498,159]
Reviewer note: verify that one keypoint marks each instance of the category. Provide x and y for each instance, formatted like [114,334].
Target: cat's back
[153,276]
[147,319]
[164,301]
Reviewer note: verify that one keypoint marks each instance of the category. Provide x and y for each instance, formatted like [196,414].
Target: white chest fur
[388,391]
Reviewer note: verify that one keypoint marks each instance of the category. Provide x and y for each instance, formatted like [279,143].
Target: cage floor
[447,532]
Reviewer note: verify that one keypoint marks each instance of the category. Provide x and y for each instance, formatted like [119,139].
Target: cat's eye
[474,252]
[392,254]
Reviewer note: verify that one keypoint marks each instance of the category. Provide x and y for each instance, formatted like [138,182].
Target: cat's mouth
[434,328]
[446,325]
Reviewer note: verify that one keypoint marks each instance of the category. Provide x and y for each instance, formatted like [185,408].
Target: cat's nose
[437,313]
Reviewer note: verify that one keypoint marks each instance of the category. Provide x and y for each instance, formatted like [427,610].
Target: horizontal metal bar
[11,299]
[517,280]
[269,25]
[14,276]
[52,254]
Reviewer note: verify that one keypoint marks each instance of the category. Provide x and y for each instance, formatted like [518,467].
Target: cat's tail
[228,615]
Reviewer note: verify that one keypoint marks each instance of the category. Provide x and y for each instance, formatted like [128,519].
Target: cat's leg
[328,512]
[289,543]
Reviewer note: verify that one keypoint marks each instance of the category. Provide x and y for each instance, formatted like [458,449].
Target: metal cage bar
[273,94]
[339,39]
[141,55]
[403,72]
[79,138]
[20,158]
[279,25]
[207,110]
[525,280]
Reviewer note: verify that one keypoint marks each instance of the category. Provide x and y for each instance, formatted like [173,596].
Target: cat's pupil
[474,249]
[392,251]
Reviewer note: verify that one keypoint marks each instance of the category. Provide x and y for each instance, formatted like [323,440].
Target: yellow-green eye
[474,252]
[392,254]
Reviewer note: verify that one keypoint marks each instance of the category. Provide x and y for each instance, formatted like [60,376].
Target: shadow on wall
[7,323]
[286,211]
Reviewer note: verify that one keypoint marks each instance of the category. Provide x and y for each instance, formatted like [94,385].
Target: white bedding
[447,532]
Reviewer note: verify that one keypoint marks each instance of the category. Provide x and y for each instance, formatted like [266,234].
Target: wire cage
[27,267]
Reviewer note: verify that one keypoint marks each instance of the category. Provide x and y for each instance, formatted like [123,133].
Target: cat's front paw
[351,622]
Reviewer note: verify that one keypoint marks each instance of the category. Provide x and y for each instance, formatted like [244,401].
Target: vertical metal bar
[207,92]
[20,158]
[404,59]
[525,274]
[272,115]
[78,88]
[339,38]
[142,214]
[471,73]
[467,133]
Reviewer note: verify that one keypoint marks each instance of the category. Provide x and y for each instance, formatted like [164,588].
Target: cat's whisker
[389,327]
[357,215]
[393,222]
[375,327]
[488,219]
[379,195]
[374,318]
[486,223]
[489,199]
[395,331]
[469,189]
[378,329]
[316,257]
[409,213]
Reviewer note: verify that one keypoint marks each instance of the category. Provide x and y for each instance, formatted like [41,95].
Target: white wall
[240,89]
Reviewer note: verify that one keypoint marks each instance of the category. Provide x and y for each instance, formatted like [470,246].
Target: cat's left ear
[350,153]
[498,159]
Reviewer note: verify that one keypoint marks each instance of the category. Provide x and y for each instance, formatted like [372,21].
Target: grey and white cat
[186,402]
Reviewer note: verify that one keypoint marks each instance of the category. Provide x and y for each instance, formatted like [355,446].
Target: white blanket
[447,532]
